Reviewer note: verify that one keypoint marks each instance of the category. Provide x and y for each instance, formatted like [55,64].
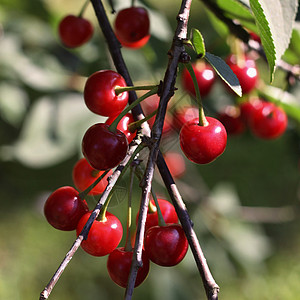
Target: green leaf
[224,71]
[275,20]
[198,42]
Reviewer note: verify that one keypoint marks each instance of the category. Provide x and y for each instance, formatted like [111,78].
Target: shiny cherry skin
[167,210]
[203,144]
[246,72]
[123,126]
[84,175]
[100,96]
[175,163]
[103,237]
[205,76]
[231,118]
[183,115]
[268,122]
[102,148]
[166,245]
[75,31]
[132,27]
[119,264]
[63,208]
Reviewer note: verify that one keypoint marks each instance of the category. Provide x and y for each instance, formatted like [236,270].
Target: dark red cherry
[84,175]
[74,31]
[166,245]
[248,107]
[119,263]
[123,126]
[100,95]
[269,121]
[63,208]
[103,237]
[203,144]
[132,26]
[205,76]
[102,148]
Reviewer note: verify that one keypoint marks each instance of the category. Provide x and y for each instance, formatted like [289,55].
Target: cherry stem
[101,217]
[128,246]
[161,220]
[84,193]
[119,90]
[202,118]
[86,3]
[115,123]
[132,127]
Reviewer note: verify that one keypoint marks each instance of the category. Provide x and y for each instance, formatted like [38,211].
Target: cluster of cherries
[105,145]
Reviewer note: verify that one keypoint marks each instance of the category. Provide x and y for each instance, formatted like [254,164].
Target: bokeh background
[245,205]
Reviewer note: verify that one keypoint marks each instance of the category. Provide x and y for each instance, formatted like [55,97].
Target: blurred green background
[245,205]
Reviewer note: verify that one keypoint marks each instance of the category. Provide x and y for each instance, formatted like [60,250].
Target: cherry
[123,126]
[205,76]
[132,26]
[84,175]
[175,163]
[246,72]
[119,263]
[63,208]
[183,115]
[166,245]
[102,148]
[248,107]
[167,210]
[203,144]
[103,237]
[100,96]
[231,118]
[74,31]
[268,121]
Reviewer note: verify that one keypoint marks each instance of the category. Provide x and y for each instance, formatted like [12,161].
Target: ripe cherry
[166,245]
[183,115]
[123,126]
[231,118]
[84,175]
[246,72]
[203,144]
[175,163]
[63,208]
[103,237]
[74,31]
[119,263]
[167,210]
[102,148]
[269,121]
[205,76]
[132,26]
[100,95]
[248,107]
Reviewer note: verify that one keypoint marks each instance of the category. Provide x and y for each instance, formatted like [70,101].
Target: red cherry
[205,76]
[103,237]
[269,121]
[175,163]
[248,107]
[74,31]
[203,144]
[100,96]
[119,263]
[245,71]
[123,126]
[132,27]
[231,118]
[166,245]
[63,208]
[183,115]
[84,175]
[167,210]
[102,148]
